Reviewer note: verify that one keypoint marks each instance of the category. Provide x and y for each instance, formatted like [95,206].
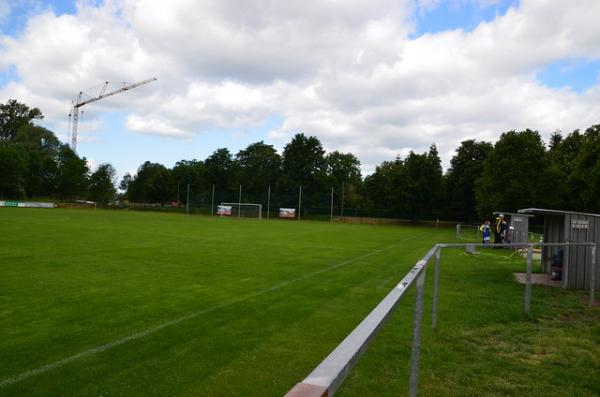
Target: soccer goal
[246,210]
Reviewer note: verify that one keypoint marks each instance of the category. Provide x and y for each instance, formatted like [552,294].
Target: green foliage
[152,184]
[102,184]
[13,171]
[219,167]
[409,188]
[303,164]
[15,115]
[518,171]
[517,174]
[43,148]
[73,173]
[257,166]
[125,184]
[586,171]
[466,166]
[188,172]
[423,183]
[343,174]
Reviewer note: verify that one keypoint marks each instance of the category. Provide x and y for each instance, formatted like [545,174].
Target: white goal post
[246,210]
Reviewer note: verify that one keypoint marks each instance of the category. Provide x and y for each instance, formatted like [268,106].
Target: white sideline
[151,330]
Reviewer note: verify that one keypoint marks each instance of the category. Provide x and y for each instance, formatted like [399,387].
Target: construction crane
[79,102]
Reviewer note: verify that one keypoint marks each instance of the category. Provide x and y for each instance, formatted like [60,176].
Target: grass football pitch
[108,303]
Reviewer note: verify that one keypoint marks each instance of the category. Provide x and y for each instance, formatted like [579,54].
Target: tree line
[518,171]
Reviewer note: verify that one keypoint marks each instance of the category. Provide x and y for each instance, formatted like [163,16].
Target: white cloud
[346,71]
[155,126]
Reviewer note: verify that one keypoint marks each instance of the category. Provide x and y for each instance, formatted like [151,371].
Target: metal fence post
[187,200]
[528,278]
[593,277]
[565,271]
[212,202]
[331,205]
[299,201]
[436,281]
[240,203]
[416,347]
[268,201]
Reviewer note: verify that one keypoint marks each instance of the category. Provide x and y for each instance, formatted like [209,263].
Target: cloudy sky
[376,78]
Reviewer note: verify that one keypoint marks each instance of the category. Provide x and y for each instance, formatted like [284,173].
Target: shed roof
[511,213]
[543,211]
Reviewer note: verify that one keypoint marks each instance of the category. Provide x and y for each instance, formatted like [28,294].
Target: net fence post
[436,281]
[268,201]
[299,201]
[331,216]
[212,202]
[240,203]
[416,346]
[342,209]
[528,278]
[187,200]
[593,277]
[565,271]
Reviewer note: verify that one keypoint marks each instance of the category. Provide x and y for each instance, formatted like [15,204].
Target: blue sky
[407,90]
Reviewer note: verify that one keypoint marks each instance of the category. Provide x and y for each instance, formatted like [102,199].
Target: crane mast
[78,103]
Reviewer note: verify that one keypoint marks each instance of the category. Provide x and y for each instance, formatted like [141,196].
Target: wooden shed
[518,225]
[568,226]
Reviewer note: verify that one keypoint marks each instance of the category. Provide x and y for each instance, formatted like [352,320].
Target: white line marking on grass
[151,330]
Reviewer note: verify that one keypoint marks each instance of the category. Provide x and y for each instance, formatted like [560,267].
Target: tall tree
[102,184]
[218,168]
[73,173]
[385,190]
[126,182]
[13,171]
[192,173]
[257,166]
[303,164]
[343,172]
[423,183]
[586,172]
[564,155]
[466,167]
[152,184]
[517,174]
[43,148]
[13,116]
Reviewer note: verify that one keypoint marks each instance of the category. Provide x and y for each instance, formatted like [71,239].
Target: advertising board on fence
[224,210]
[26,204]
[287,212]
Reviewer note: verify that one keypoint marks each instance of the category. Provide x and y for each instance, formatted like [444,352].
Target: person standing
[486,232]
[498,229]
[504,231]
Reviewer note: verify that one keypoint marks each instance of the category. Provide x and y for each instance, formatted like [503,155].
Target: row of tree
[34,163]
[518,171]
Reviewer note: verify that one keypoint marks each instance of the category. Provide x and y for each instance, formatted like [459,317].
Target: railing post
[528,278]
[436,281]
[416,347]
[593,277]
[565,271]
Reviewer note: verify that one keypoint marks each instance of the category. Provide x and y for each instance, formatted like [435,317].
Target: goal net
[245,210]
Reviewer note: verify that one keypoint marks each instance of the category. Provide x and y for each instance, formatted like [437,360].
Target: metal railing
[328,376]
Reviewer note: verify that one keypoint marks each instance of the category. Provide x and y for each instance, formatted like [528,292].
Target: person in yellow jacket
[499,227]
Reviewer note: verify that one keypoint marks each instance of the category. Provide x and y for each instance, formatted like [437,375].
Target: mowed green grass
[250,306]
[144,304]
